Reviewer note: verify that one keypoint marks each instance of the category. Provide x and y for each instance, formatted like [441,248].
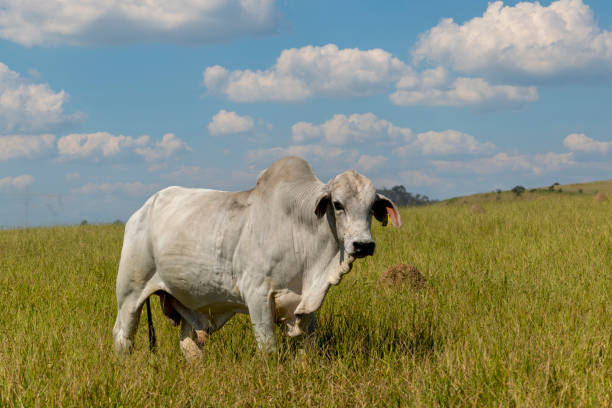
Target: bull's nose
[364,248]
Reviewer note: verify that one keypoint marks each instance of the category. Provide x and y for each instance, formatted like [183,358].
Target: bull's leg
[128,315]
[191,341]
[196,328]
[193,331]
[312,324]
[308,341]
[218,320]
[261,311]
[135,282]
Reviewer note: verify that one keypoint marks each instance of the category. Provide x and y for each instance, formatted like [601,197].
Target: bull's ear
[322,203]
[384,209]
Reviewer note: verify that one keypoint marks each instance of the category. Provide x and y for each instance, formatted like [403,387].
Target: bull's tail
[151,328]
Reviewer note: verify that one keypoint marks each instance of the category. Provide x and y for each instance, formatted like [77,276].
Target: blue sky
[103,103]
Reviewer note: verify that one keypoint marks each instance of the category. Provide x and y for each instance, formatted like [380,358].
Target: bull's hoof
[123,345]
[190,349]
[201,337]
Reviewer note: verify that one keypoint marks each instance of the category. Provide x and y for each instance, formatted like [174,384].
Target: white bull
[272,252]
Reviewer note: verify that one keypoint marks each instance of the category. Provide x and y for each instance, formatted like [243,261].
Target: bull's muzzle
[363,248]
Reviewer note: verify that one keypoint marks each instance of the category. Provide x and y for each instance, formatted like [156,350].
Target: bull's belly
[213,309]
[201,288]
[208,301]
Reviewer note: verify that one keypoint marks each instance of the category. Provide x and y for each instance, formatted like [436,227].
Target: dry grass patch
[477,209]
[600,197]
[402,274]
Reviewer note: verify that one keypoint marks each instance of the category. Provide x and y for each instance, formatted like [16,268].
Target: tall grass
[517,312]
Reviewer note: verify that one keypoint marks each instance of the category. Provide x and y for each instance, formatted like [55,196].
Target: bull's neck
[315,241]
[303,201]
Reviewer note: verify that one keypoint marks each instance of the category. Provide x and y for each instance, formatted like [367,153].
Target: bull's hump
[286,170]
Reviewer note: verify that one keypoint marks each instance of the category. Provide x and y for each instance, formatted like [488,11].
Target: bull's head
[350,200]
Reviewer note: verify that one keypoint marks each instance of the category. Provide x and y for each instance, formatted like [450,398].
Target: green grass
[517,312]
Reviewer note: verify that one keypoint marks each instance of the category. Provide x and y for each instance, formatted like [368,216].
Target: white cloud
[446,142]
[527,40]
[75,22]
[103,144]
[163,149]
[302,131]
[502,162]
[8,77]
[342,129]
[191,173]
[409,178]
[301,73]
[28,107]
[427,79]
[367,162]
[213,177]
[545,162]
[18,146]
[466,92]
[416,178]
[73,176]
[23,181]
[224,123]
[431,78]
[134,189]
[80,145]
[579,142]
[308,152]
[18,182]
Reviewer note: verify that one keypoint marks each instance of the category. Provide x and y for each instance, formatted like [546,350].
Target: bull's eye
[338,206]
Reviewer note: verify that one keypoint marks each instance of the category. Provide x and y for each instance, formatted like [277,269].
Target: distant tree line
[403,198]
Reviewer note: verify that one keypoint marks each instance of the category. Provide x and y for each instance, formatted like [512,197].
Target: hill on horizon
[588,188]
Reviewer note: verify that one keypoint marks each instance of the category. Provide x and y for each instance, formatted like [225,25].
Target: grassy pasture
[517,312]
